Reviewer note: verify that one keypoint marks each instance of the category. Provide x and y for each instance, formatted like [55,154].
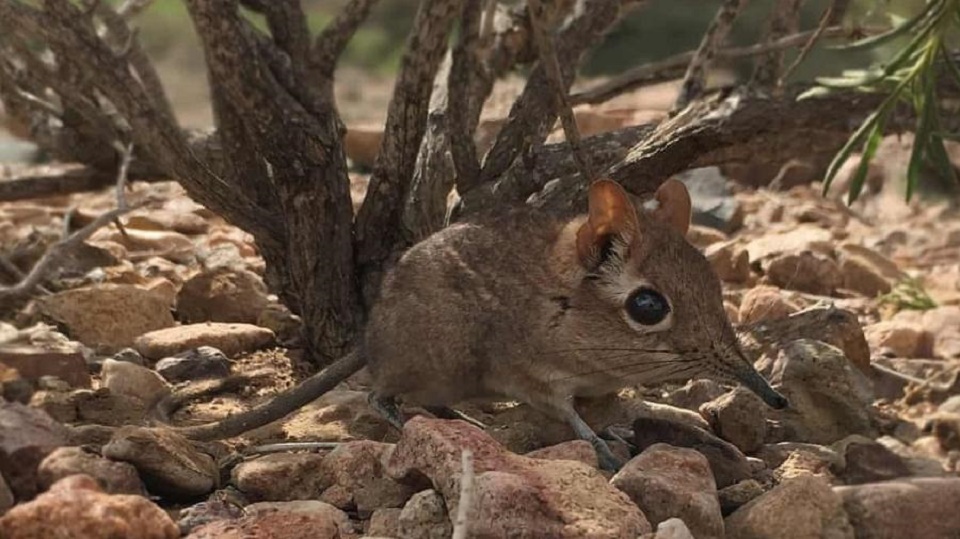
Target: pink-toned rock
[730,261]
[271,525]
[911,507]
[514,495]
[27,436]
[75,507]
[898,338]
[111,476]
[805,271]
[281,477]
[802,238]
[222,295]
[424,517]
[667,481]
[384,523]
[739,418]
[305,507]
[578,450]
[704,236]
[231,339]
[33,362]
[132,380]
[108,315]
[765,303]
[943,324]
[799,508]
[358,480]
[867,271]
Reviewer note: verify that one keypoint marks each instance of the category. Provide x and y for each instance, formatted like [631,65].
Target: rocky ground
[852,312]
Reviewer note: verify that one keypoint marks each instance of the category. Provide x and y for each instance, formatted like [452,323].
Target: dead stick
[808,46]
[548,57]
[460,525]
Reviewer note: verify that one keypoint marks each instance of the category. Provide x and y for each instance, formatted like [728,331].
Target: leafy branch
[908,78]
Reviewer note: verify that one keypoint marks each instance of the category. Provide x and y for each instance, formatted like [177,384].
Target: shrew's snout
[752,380]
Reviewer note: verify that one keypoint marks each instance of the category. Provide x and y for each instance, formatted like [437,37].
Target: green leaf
[869,149]
[852,81]
[814,92]
[901,30]
[918,151]
[847,149]
[907,53]
[951,65]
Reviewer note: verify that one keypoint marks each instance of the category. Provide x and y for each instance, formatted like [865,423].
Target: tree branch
[694,80]
[534,113]
[330,44]
[378,221]
[784,19]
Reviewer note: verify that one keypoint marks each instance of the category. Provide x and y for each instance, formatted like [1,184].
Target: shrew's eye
[646,306]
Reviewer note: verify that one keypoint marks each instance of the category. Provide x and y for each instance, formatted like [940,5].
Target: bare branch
[55,254]
[548,59]
[534,113]
[468,65]
[694,80]
[784,19]
[121,187]
[378,220]
[467,492]
[673,66]
[825,21]
[332,41]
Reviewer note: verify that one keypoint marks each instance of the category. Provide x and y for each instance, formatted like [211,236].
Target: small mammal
[529,307]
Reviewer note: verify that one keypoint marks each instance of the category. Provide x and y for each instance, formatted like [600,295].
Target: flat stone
[27,436]
[231,339]
[33,362]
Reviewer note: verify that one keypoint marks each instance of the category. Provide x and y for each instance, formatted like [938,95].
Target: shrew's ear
[675,206]
[611,215]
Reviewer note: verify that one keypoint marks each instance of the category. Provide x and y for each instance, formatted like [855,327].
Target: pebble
[231,339]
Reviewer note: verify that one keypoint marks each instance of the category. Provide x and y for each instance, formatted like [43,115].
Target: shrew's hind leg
[564,410]
[386,407]
[445,412]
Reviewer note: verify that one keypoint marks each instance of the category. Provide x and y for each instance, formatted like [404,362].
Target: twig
[694,81]
[668,67]
[825,20]
[784,19]
[60,249]
[460,525]
[126,157]
[333,39]
[548,58]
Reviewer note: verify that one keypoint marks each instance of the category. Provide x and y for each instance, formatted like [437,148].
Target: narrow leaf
[869,149]
[847,149]
[903,29]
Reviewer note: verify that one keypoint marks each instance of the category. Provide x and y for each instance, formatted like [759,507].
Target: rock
[866,271]
[112,477]
[713,203]
[801,238]
[385,522]
[182,222]
[735,496]
[424,517]
[170,245]
[829,399]
[358,481]
[738,417]
[231,339]
[578,450]
[807,463]
[728,464]
[134,381]
[13,387]
[168,463]
[32,362]
[765,303]
[99,406]
[730,261]
[800,508]
[201,363]
[943,323]
[673,528]
[271,525]
[514,495]
[945,427]
[110,316]
[838,327]
[6,496]
[306,507]
[76,507]
[914,507]
[702,237]
[340,415]
[212,510]
[805,271]
[775,455]
[695,393]
[130,355]
[896,338]
[27,436]
[862,460]
[666,481]
[222,295]
[277,318]
[282,477]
